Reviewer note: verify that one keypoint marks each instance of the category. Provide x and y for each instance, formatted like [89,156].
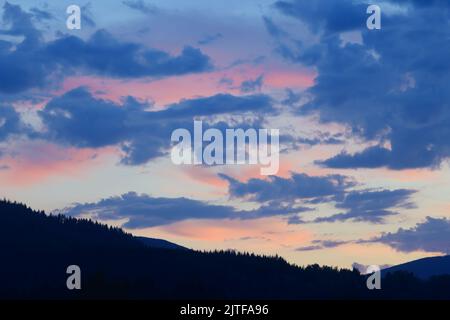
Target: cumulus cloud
[391,86]
[142,134]
[35,63]
[431,235]
[103,54]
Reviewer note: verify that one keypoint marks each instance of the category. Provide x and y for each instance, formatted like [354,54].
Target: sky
[86,118]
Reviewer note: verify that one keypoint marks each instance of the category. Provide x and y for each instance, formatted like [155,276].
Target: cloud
[372,157]
[142,134]
[297,186]
[431,235]
[210,39]
[390,87]
[252,85]
[10,123]
[377,156]
[273,29]
[87,17]
[34,63]
[41,15]
[20,65]
[322,244]
[371,206]
[144,211]
[359,205]
[424,3]
[326,15]
[366,205]
[103,54]
[141,6]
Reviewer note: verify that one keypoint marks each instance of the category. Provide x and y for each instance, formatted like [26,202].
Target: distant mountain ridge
[423,268]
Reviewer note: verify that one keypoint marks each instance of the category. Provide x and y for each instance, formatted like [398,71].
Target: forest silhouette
[37,248]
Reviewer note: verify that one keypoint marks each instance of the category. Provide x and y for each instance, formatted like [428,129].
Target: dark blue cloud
[359,205]
[144,211]
[432,235]
[372,157]
[252,85]
[210,39]
[326,15]
[391,87]
[292,98]
[220,104]
[322,244]
[371,206]
[20,65]
[424,3]
[291,142]
[35,63]
[105,55]
[298,186]
[78,119]
[10,122]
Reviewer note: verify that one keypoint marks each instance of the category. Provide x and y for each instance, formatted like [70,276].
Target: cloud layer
[144,211]
[360,205]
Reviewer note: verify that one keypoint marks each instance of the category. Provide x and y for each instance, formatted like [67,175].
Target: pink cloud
[34,162]
[173,89]
[271,230]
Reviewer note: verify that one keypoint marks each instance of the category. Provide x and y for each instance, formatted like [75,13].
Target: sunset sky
[364,117]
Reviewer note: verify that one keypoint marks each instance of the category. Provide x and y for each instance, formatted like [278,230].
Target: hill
[160,243]
[424,268]
[37,248]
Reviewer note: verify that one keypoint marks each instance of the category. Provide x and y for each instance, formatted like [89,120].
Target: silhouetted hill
[424,268]
[36,249]
[159,243]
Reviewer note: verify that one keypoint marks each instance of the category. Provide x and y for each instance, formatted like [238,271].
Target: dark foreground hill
[36,249]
